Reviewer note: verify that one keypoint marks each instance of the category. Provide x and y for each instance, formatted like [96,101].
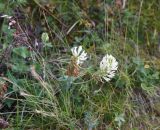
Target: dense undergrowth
[38,87]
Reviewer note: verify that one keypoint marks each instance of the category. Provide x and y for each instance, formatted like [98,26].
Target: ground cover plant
[80,64]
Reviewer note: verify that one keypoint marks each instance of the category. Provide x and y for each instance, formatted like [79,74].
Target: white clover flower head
[108,67]
[79,54]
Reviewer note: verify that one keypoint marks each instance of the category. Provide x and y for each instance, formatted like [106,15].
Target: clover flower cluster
[108,65]
[79,54]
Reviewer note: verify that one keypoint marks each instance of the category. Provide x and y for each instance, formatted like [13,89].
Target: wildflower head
[108,67]
[79,54]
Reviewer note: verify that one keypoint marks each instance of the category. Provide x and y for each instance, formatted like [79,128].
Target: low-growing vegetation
[80,64]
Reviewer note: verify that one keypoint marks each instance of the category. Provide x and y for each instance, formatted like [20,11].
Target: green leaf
[8,102]
[48,44]
[20,67]
[22,51]
[2,6]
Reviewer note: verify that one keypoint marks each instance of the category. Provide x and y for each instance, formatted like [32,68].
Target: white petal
[75,52]
[79,50]
[111,75]
[83,54]
[83,59]
[72,51]
[107,79]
